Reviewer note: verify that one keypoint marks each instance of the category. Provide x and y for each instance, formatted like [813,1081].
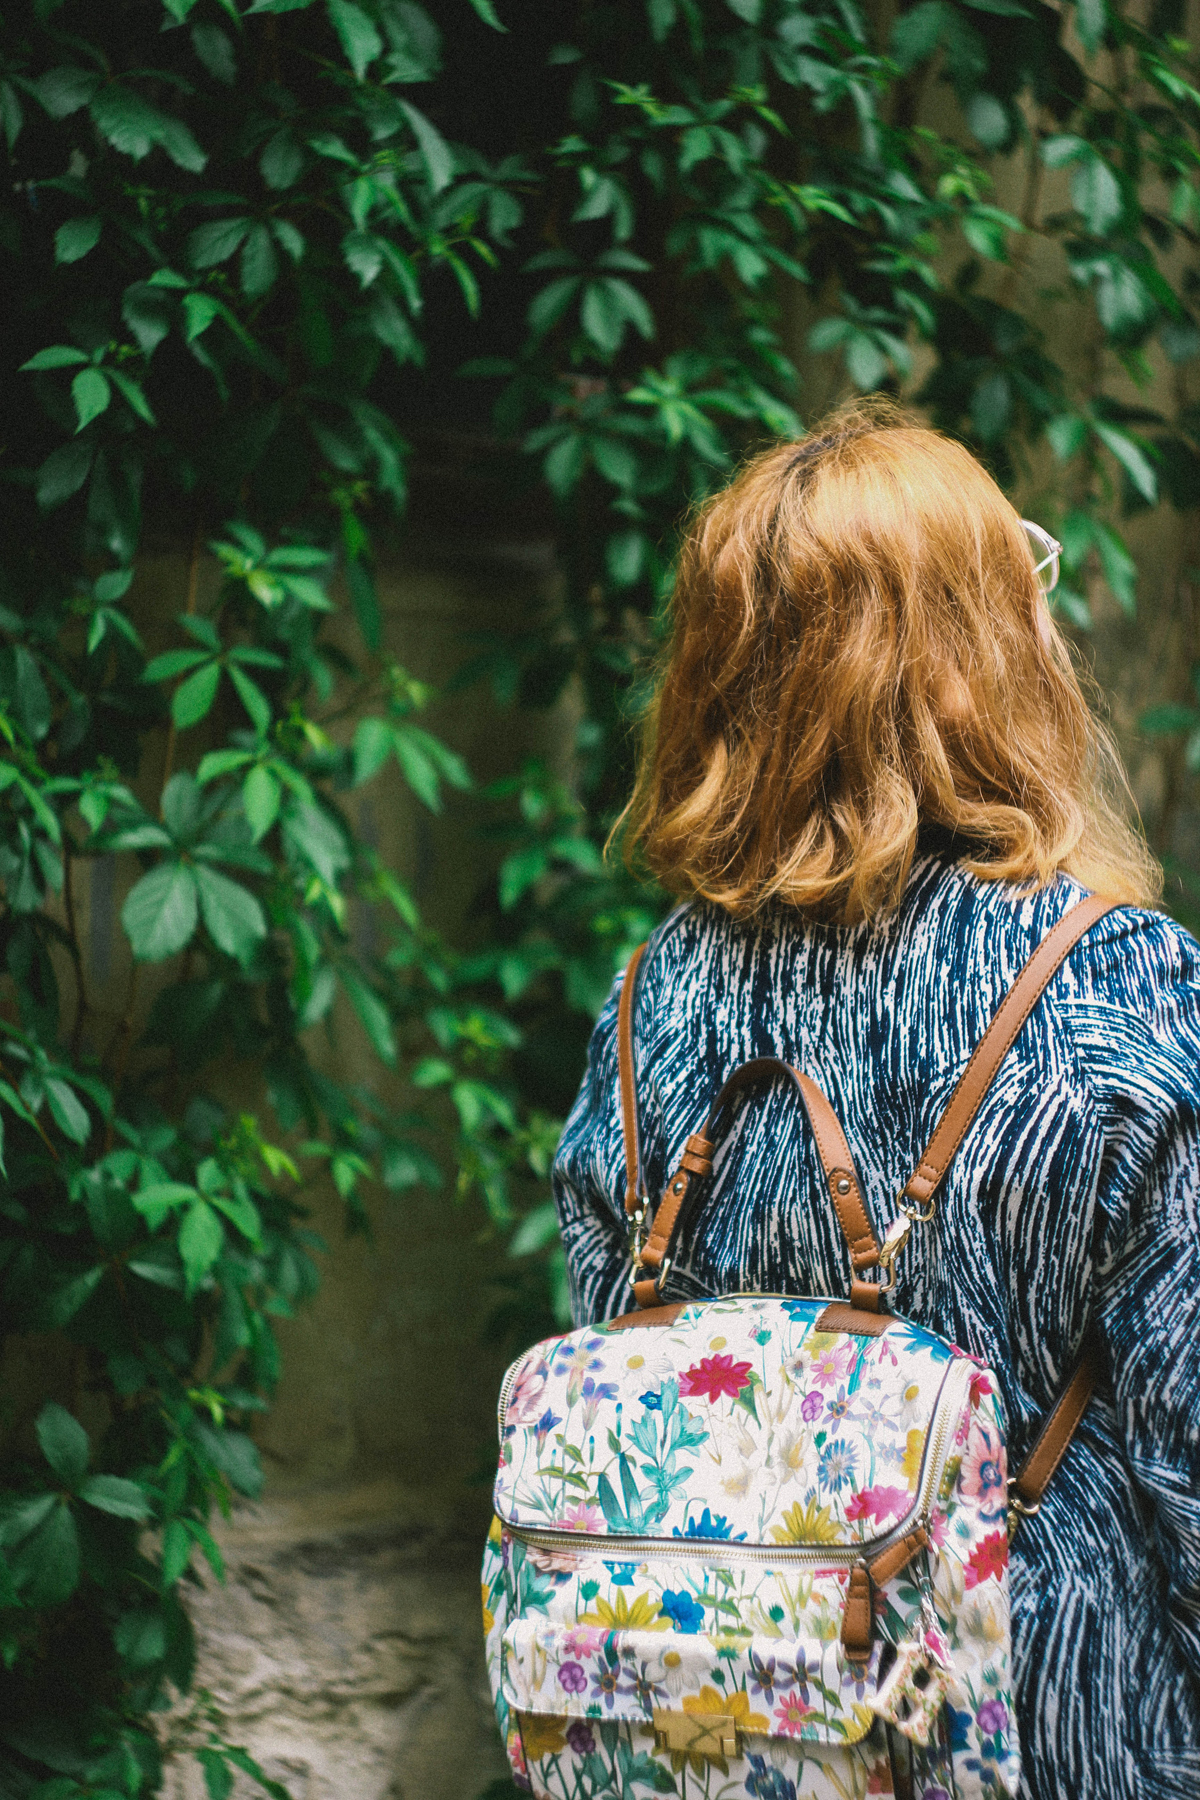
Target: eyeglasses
[1046,552]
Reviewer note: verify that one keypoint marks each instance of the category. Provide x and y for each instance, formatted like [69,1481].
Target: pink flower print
[811,1406]
[525,1396]
[980,1387]
[988,1560]
[879,1503]
[571,1678]
[584,1640]
[939,1526]
[791,1713]
[582,1517]
[713,1376]
[833,1364]
[984,1475]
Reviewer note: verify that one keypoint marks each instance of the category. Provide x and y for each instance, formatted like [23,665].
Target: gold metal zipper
[722,1552]
[506,1388]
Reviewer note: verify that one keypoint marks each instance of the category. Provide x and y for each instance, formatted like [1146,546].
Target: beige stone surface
[344,1650]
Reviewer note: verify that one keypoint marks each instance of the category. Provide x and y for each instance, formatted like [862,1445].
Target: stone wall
[344,1649]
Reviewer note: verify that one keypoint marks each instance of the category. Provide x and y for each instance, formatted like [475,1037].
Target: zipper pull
[930,1635]
[915,1686]
[912,1694]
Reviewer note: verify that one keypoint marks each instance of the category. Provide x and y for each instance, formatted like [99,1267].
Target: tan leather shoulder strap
[628,1084]
[1031,1480]
[993,1046]
[837,1162]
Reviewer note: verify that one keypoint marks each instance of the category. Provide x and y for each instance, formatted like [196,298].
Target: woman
[871,772]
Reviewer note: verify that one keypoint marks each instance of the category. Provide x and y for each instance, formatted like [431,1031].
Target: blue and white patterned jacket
[1075,1198]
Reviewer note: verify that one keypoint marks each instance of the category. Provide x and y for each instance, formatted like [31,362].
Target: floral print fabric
[742,1410]
[747,1458]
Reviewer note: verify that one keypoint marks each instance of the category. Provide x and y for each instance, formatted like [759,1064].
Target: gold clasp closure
[712,1735]
[1019,1509]
[895,1238]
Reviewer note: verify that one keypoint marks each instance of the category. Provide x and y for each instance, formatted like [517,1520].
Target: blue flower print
[837,1465]
[684,1611]
[622,1573]
[708,1527]
[606,1681]
[544,1427]
[651,1401]
[766,1678]
[764,1783]
[960,1728]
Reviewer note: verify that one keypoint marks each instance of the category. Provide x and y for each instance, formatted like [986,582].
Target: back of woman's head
[860,645]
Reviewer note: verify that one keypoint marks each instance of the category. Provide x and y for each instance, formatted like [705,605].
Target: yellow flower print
[911,1463]
[541,1735]
[495,1530]
[640,1614]
[790,1455]
[489,1617]
[980,1622]
[731,1706]
[808,1524]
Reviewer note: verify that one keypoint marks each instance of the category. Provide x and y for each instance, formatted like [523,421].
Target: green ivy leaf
[46,1566]
[193,698]
[1166,720]
[64,1443]
[73,240]
[91,393]
[218,1775]
[200,1239]
[232,916]
[69,1115]
[57,356]
[435,151]
[113,1494]
[372,1012]
[358,36]
[1132,458]
[260,800]
[159,914]
[176,1552]
[216,242]
[282,160]
[157,1201]
[1096,192]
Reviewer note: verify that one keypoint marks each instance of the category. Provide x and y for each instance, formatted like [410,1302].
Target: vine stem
[82,1005]
[190,607]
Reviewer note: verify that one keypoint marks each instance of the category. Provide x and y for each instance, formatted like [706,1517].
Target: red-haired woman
[871,775]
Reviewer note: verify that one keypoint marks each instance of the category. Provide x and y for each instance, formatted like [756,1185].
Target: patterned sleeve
[1144,1064]
[589,1182]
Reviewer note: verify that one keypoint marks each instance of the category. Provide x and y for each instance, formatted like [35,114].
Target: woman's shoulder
[951,925]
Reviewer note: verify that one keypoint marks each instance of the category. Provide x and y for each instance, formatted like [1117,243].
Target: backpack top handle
[650,1248]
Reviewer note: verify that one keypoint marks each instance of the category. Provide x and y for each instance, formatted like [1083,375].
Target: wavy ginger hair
[860,644]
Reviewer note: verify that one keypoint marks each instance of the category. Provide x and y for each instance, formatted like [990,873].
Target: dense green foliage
[249,251]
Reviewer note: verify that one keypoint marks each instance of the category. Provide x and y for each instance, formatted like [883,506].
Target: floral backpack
[757,1545]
